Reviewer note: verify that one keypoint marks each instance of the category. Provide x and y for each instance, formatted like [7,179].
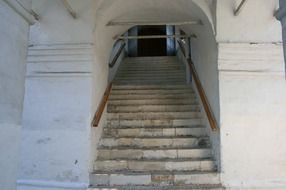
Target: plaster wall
[57,26]
[63,90]
[14,41]
[253,109]
[56,140]
[255,23]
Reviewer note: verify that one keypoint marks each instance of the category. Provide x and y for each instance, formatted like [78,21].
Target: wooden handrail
[114,60]
[202,94]
[203,97]
[102,105]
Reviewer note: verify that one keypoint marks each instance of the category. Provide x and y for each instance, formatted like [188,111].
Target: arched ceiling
[154,10]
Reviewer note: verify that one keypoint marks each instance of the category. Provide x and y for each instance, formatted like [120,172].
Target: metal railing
[117,55]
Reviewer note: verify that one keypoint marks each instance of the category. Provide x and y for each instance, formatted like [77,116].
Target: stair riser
[153,154]
[150,67]
[155,142]
[155,87]
[151,96]
[146,82]
[148,179]
[151,73]
[151,108]
[151,132]
[148,92]
[151,78]
[154,102]
[136,166]
[154,123]
[153,115]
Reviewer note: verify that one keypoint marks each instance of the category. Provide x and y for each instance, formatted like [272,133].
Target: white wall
[253,109]
[255,23]
[58,26]
[56,136]
[13,50]
[58,144]
[252,96]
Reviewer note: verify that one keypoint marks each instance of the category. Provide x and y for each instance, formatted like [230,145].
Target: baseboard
[49,185]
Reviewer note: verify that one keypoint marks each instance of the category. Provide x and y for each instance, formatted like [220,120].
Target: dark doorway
[152,47]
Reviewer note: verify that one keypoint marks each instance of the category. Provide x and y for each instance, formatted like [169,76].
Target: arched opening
[203,51]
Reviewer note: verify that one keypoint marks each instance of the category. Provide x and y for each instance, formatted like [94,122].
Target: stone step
[151,87]
[151,72]
[152,91]
[153,115]
[155,66]
[155,165]
[155,123]
[147,142]
[153,153]
[150,96]
[154,87]
[149,81]
[151,108]
[186,101]
[154,132]
[158,187]
[151,77]
[154,178]
[152,67]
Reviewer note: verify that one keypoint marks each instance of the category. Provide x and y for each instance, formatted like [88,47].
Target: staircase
[154,138]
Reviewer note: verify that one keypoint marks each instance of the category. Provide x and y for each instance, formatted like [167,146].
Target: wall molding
[251,58]
[24,184]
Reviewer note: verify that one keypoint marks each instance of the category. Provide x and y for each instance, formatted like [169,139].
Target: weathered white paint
[56,142]
[14,41]
[253,109]
[49,185]
[244,83]
[255,23]
[57,26]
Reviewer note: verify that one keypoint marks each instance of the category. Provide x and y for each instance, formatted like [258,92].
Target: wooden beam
[153,23]
[70,9]
[21,10]
[152,37]
[239,8]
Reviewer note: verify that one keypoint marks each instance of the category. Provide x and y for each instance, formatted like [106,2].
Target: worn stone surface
[155,133]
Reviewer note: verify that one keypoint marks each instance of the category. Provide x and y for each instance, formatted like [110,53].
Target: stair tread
[160,159]
[159,187]
[120,147]
[162,172]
